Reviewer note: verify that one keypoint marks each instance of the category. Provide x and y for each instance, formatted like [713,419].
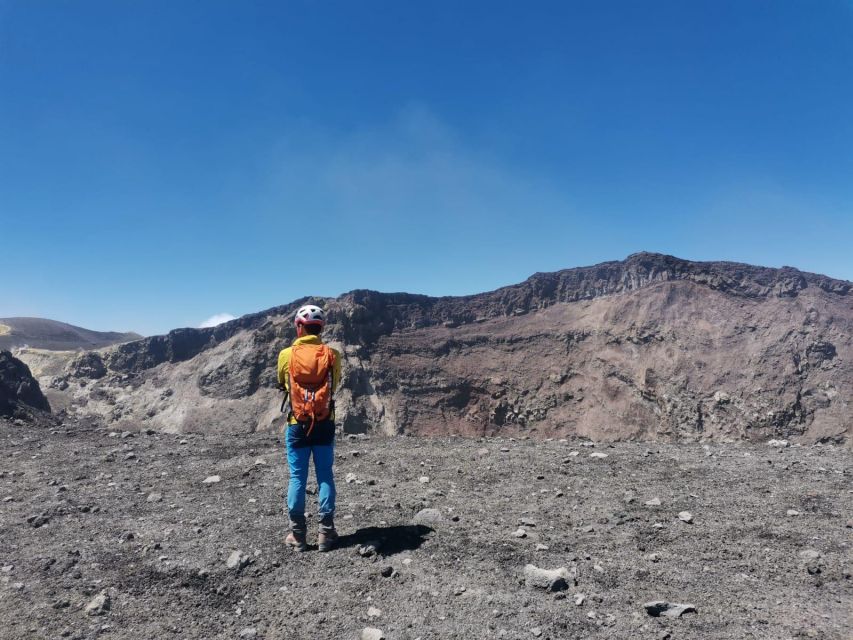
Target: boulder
[19,391]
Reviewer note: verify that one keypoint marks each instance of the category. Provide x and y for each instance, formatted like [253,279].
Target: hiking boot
[327,539]
[296,540]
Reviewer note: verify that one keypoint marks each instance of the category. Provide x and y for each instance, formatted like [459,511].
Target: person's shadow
[386,541]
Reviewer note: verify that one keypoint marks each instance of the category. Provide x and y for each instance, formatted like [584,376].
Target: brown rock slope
[652,347]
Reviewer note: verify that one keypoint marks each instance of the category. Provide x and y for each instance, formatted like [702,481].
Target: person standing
[310,372]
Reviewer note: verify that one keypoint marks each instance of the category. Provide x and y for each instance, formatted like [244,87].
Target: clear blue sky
[165,161]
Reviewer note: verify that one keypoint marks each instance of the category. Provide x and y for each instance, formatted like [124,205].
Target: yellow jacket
[284,366]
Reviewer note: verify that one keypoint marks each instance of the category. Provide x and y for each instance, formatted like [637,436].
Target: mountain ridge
[651,347]
[788,281]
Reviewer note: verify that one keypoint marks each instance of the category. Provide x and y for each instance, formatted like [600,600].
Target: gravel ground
[126,521]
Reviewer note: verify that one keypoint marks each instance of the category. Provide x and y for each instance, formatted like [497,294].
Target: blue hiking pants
[300,448]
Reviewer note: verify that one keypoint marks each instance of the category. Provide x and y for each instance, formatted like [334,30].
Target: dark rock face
[19,391]
[652,347]
[88,365]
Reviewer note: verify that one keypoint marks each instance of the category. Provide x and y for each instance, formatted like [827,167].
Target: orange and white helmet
[310,314]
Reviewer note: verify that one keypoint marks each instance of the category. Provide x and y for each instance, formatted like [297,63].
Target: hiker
[310,372]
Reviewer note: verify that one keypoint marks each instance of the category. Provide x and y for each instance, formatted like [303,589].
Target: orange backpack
[311,371]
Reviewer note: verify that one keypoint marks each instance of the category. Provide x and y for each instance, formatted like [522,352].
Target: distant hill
[40,333]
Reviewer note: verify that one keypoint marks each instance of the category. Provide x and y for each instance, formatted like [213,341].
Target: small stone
[653,557]
[38,521]
[792,512]
[249,632]
[579,599]
[350,478]
[130,456]
[778,443]
[368,549]
[541,547]
[423,479]
[654,502]
[588,529]
[598,568]
[549,579]
[536,631]
[372,633]
[387,572]
[237,560]
[686,516]
[597,454]
[809,554]
[668,609]
[429,518]
[211,480]
[99,605]
[18,586]
[373,612]
[519,533]
[154,497]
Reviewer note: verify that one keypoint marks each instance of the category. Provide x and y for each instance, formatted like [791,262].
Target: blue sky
[163,162]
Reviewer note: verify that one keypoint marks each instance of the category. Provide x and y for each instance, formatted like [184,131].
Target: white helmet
[310,314]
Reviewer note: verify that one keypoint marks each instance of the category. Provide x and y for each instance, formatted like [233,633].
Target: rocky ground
[135,535]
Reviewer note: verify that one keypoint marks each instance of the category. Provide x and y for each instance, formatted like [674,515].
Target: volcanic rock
[428,517]
[19,391]
[237,560]
[668,609]
[99,605]
[549,579]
